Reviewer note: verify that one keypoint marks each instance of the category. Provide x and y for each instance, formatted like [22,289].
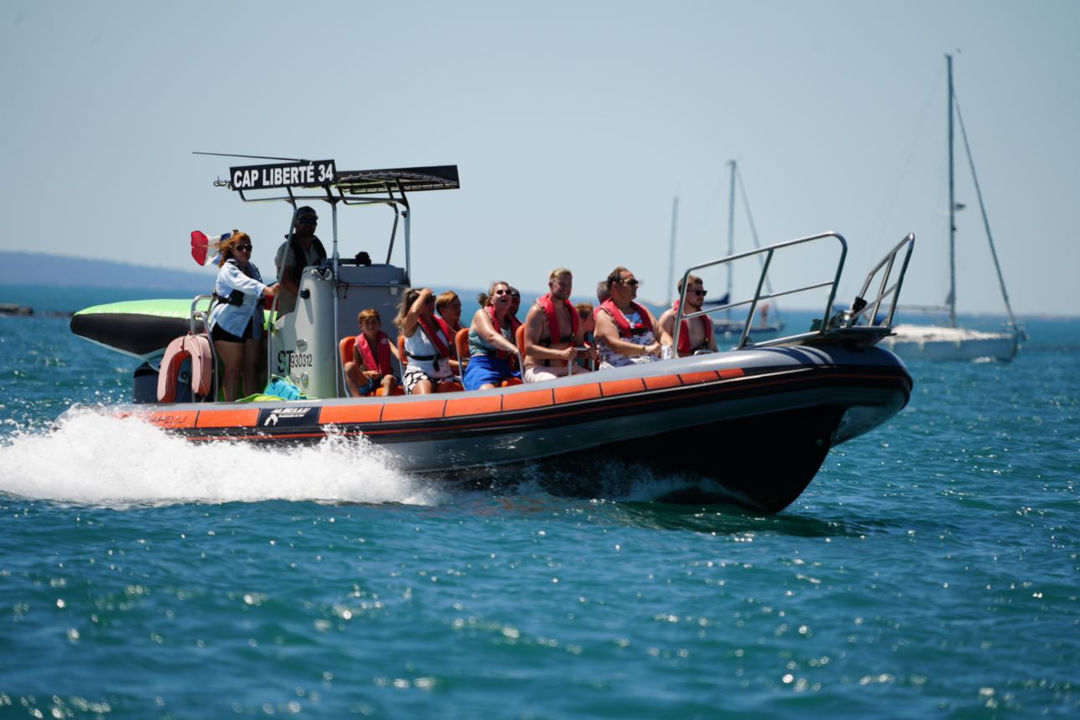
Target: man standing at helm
[553,331]
[299,251]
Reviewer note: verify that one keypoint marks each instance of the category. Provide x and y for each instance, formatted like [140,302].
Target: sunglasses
[702,293]
[244,247]
[502,292]
[632,282]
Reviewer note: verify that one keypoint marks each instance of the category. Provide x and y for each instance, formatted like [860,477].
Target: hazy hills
[25,268]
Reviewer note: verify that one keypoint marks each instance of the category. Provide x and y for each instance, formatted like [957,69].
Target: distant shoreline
[25,268]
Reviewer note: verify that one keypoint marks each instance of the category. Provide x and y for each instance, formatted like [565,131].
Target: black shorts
[220,334]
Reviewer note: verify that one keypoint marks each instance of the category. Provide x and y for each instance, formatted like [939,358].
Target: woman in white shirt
[426,348]
[236,320]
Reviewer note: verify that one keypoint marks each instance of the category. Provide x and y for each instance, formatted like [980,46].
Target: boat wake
[91,459]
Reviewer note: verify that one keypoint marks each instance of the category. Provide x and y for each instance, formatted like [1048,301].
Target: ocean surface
[929,571]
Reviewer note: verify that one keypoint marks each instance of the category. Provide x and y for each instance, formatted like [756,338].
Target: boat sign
[284,417]
[303,173]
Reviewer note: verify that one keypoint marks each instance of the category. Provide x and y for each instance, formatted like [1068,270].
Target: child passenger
[448,306]
[371,367]
[448,309]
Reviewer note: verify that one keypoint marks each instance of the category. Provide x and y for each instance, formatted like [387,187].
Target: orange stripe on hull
[344,414]
[731,373]
[577,393]
[184,419]
[524,401]
[661,383]
[622,387]
[227,418]
[414,410]
[473,406]
[698,377]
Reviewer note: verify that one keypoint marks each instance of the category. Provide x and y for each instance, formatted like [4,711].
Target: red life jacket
[448,332]
[383,362]
[548,306]
[625,330]
[433,334]
[684,333]
[514,323]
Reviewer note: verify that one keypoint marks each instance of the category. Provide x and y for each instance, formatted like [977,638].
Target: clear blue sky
[573,124]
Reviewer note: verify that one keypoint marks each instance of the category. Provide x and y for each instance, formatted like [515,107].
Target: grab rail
[863,313]
[758,297]
[869,310]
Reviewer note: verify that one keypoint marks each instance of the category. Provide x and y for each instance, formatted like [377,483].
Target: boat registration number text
[289,359]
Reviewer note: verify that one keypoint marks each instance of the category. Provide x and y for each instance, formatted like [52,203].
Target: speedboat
[793,398]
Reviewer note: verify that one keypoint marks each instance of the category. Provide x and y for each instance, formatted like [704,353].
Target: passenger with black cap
[301,249]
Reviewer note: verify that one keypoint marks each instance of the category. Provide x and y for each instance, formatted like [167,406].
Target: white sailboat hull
[948,344]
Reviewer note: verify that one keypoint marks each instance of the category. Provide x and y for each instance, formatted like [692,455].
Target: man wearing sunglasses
[300,250]
[625,331]
[697,334]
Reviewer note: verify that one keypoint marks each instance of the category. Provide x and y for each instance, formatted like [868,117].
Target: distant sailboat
[928,342]
[766,326]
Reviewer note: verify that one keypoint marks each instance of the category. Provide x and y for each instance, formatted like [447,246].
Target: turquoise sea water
[930,570]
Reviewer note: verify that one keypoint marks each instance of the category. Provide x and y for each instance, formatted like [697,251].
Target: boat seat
[519,337]
[461,345]
[346,347]
[196,349]
[452,386]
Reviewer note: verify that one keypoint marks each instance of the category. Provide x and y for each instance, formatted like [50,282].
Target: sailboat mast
[730,231]
[951,299]
[985,219]
[671,251]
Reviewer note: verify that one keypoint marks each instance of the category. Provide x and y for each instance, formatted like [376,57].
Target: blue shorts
[487,370]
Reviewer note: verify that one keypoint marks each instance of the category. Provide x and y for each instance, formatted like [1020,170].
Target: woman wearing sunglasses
[236,320]
[491,340]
